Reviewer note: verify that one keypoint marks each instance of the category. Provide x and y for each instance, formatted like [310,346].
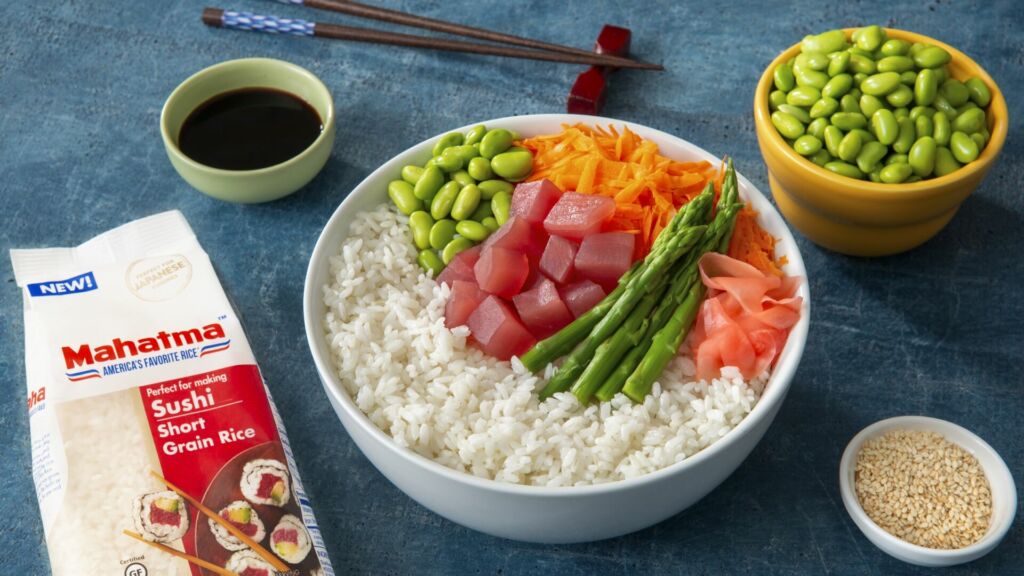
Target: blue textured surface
[937,331]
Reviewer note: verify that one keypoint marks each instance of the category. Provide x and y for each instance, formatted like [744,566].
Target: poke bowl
[524,468]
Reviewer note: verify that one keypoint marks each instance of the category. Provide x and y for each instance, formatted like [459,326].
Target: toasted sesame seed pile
[924,489]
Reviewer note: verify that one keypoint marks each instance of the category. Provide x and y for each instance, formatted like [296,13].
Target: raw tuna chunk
[532,201]
[605,257]
[461,267]
[578,215]
[557,261]
[497,331]
[542,309]
[519,235]
[582,296]
[501,271]
[465,297]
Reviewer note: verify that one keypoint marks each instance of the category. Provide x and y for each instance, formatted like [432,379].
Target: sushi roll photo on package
[156,446]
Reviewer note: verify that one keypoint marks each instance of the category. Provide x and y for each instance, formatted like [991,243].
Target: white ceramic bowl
[1004,493]
[531,513]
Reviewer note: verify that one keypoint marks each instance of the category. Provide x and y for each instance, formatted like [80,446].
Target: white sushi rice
[424,386]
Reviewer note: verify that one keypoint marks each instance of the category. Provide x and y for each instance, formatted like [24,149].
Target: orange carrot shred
[751,244]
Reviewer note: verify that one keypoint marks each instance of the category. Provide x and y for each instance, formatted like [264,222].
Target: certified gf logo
[135,569]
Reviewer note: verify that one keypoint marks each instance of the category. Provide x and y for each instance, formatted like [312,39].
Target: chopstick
[406,19]
[178,553]
[231,19]
[263,552]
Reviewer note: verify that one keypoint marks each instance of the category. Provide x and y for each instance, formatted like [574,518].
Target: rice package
[155,442]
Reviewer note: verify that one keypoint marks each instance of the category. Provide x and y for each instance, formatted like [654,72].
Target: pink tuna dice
[532,201]
[578,215]
[605,257]
[581,296]
[542,309]
[519,235]
[501,271]
[558,257]
[497,331]
[461,267]
[464,299]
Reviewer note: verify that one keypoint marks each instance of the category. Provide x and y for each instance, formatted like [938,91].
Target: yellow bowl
[863,218]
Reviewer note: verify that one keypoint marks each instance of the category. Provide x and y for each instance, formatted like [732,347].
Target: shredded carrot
[751,244]
[647,187]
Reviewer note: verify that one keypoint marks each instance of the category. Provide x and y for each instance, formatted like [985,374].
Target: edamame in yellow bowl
[858,216]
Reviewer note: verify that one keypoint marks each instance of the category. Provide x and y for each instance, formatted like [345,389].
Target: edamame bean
[865,136]
[963,148]
[788,125]
[821,158]
[475,231]
[488,188]
[931,57]
[880,84]
[861,64]
[945,163]
[420,223]
[814,60]
[917,47]
[908,78]
[913,178]
[858,78]
[979,92]
[466,202]
[833,137]
[895,47]
[901,112]
[850,146]
[955,91]
[838,62]
[919,110]
[480,169]
[475,134]
[463,178]
[483,210]
[776,98]
[907,136]
[896,159]
[844,169]
[783,76]
[885,127]
[807,145]
[810,77]
[496,141]
[923,126]
[501,203]
[875,176]
[401,193]
[490,223]
[824,108]
[895,64]
[429,261]
[901,96]
[869,105]
[817,128]
[838,86]
[922,156]
[849,103]
[429,183]
[825,42]
[441,233]
[926,87]
[803,96]
[514,164]
[895,173]
[941,129]
[442,203]
[849,120]
[411,174]
[870,155]
[463,152]
[941,74]
[964,108]
[970,121]
[454,247]
[448,140]
[943,105]
[869,38]
[448,161]
[980,140]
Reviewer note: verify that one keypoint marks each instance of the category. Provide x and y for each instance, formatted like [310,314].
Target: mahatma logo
[74,285]
[78,360]
[215,347]
[83,375]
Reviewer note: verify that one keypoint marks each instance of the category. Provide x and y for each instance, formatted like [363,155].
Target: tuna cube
[578,215]
[580,297]
[501,271]
[497,331]
[532,201]
[464,299]
[558,257]
[604,257]
[541,309]
[461,267]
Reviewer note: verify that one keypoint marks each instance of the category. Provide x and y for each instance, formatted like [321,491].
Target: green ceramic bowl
[248,186]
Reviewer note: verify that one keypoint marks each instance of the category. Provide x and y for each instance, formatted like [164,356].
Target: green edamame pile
[462,194]
[876,108]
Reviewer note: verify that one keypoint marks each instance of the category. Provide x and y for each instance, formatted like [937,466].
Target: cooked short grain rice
[422,384]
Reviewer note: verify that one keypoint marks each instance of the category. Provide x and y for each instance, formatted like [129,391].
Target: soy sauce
[249,129]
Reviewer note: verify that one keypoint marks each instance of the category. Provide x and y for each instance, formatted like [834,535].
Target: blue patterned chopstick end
[269,24]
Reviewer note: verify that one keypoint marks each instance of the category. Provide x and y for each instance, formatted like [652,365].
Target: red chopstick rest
[588,91]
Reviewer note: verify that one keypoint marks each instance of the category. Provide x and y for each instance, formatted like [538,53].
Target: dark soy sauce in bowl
[249,129]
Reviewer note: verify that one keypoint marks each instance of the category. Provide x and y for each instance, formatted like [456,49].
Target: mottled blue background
[937,331]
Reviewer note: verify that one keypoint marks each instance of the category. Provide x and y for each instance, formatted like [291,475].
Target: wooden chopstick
[178,553]
[406,19]
[220,18]
[263,552]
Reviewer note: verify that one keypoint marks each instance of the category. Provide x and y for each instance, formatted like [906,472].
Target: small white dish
[1004,493]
